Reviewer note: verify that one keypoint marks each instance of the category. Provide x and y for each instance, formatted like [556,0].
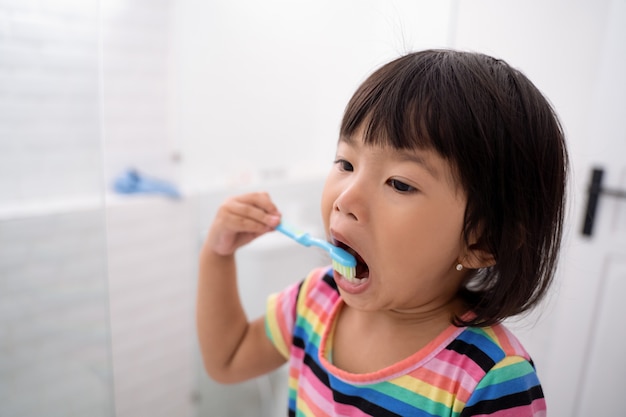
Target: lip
[347,287]
[337,237]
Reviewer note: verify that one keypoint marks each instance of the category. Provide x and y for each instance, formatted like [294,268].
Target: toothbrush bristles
[347,271]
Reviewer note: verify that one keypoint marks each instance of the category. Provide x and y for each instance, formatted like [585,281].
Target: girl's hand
[240,220]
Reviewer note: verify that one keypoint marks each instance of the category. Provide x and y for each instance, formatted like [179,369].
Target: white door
[576,53]
[590,341]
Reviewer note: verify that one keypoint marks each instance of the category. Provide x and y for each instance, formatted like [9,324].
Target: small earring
[459,267]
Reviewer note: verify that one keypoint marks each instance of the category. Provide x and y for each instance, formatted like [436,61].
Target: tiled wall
[95,304]
[152,242]
[91,312]
[54,333]
[65,98]
[49,115]
[137,87]
[152,256]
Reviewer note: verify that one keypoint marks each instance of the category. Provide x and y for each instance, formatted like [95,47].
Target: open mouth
[362,270]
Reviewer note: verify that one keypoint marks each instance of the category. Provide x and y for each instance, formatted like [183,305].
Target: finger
[230,231]
[261,200]
[258,207]
[250,219]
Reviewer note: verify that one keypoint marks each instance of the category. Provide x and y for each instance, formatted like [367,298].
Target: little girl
[448,188]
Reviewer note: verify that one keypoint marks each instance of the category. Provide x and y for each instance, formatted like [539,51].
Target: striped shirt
[467,371]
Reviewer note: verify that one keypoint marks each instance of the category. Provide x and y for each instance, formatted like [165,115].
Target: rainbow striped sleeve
[511,387]
[280,317]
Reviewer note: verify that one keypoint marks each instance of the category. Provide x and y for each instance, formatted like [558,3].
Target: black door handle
[594,192]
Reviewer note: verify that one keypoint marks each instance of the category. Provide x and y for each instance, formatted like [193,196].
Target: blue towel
[132,182]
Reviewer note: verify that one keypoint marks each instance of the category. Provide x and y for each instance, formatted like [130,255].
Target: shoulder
[489,345]
[507,378]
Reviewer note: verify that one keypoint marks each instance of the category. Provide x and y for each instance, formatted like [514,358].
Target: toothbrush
[342,261]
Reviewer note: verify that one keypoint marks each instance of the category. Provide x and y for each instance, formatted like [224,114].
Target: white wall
[49,104]
[137,91]
[54,334]
[263,85]
[95,293]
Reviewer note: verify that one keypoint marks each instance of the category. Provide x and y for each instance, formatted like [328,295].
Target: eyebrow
[402,155]
[411,156]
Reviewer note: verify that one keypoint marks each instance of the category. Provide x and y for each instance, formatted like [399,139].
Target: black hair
[507,149]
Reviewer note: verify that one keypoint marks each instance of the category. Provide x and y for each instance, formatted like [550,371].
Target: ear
[477,257]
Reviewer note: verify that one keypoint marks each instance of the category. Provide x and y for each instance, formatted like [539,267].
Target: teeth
[355,281]
[344,270]
[349,273]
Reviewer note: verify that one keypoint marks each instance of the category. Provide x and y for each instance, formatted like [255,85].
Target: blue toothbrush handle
[290,232]
[337,254]
[302,238]
[321,244]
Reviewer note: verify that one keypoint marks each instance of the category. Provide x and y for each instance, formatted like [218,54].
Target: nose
[351,201]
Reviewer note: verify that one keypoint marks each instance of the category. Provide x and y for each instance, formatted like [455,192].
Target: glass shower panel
[54,334]
[54,341]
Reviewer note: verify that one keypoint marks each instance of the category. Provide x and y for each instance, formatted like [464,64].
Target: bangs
[397,106]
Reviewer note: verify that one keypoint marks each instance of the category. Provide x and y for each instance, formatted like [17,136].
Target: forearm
[221,320]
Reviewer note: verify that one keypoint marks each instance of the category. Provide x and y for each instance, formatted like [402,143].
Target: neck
[442,313]
[404,333]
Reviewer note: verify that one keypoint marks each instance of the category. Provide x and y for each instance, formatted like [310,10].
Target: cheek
[327,202]
[436,240]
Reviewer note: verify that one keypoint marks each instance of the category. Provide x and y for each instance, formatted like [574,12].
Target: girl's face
[401,213]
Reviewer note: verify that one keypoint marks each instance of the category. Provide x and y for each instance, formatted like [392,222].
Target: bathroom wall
[151,240]
[151,253]
[262,85]
[54,332]
[49,105]
[96,292]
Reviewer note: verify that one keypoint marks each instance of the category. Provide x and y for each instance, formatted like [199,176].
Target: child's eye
[344,165]
[400,186]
